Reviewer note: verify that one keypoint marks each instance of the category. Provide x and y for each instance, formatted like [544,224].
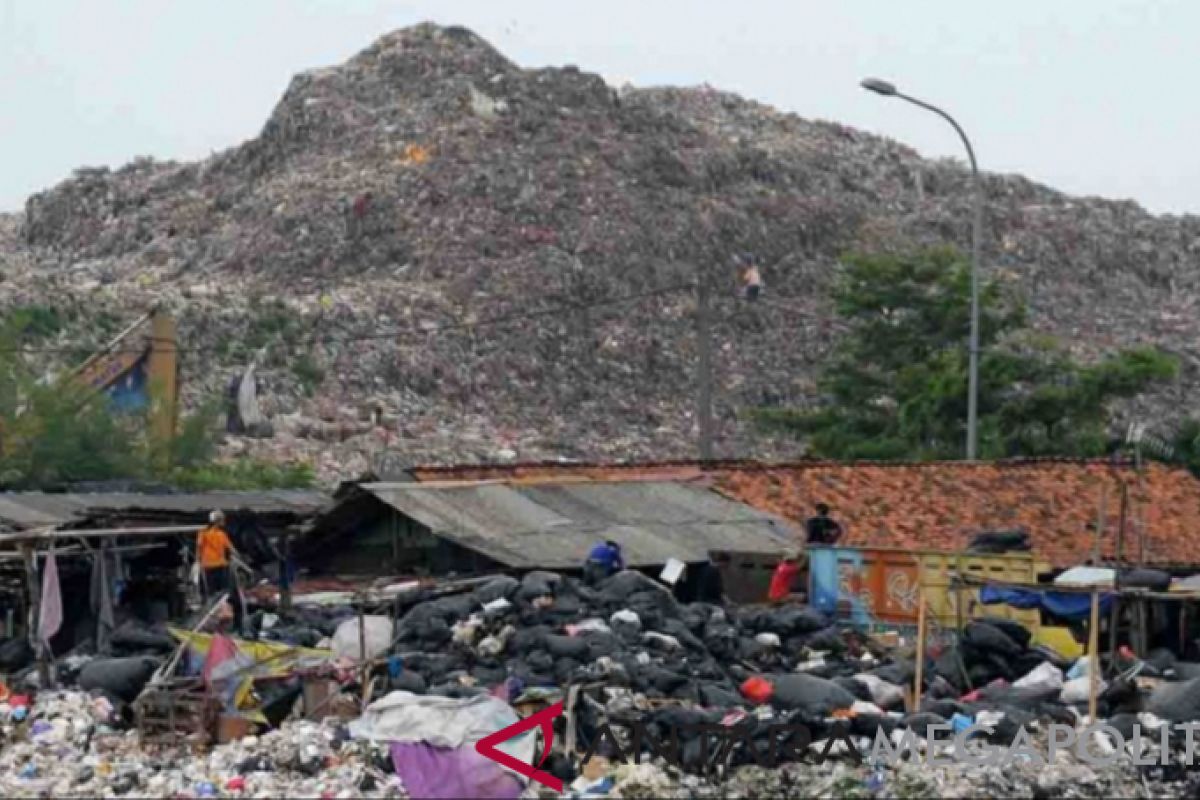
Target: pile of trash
[70,744]
[429,182]
[646,681]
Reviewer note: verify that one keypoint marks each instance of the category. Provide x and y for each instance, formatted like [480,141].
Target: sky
[1093,97]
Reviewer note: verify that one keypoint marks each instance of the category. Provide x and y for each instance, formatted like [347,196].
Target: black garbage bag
[653,605]
[1123,724]
[601,644]
[990,639]
[793,620]
[488,676]
[868,724]
[655,677]
[1006,729]
[1153,579]
[615,589]
[722,640]
[1123,695]
[696,616]
[1186,670]
[714,695]
[15,654]
[919,722]
[855,687]
[408,681]
[827,639]
[123,677]
[575,647]
[944,708]
[948,667]
[500,586]
[540,661]
[526,639]
[1161,659]
[683,634]
[900,672]
[809,694]
[564,670]
[1012,629]
[135,635]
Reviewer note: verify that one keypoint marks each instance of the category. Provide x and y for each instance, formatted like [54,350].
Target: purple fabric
[441,772]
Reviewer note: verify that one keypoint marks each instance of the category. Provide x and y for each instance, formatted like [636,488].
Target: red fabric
[221,649]
[781,581]
[757,690]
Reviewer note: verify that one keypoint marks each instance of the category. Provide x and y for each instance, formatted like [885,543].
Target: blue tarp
[1062,604]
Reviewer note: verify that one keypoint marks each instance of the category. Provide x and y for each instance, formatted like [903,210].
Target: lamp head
[879,87]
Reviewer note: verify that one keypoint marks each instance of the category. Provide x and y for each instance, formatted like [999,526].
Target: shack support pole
[917,683]
[704,389]
[1094,655]
[33,584]
[285,581]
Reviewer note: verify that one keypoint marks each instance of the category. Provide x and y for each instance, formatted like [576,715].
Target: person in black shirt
[823,529]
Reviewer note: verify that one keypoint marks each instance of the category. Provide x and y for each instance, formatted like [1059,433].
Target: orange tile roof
[940,505]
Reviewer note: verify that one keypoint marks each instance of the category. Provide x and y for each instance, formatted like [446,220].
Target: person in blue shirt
[604,560]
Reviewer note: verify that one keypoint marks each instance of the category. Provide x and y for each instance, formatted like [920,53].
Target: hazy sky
[1089,96]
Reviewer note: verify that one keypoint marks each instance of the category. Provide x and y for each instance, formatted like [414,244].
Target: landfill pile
[72,745]
[415,689]
[428,184]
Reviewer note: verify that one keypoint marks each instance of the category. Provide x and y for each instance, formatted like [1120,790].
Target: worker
[783,578]
[823,529]
[753,282]
[604,560]
[213,549]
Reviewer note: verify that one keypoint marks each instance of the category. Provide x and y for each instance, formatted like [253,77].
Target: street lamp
[889,90]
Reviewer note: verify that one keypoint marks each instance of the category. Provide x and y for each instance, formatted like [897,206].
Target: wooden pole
[704,390]
[33,584]
[917,683]
[1094,654]
[362,655]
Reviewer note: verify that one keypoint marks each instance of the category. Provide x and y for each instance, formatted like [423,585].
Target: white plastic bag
[378,637]
[1045,675]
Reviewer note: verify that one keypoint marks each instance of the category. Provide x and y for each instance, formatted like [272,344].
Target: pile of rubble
[623,655]
[429,184]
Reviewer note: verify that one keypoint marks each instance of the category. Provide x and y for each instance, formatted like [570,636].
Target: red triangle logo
[544,719]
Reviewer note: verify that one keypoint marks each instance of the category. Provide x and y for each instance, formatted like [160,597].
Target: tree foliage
[896,386]
[53,432]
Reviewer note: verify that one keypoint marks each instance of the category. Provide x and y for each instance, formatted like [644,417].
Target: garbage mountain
[451,258]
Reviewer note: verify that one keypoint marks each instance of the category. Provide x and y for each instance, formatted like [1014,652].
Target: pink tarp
[442,772]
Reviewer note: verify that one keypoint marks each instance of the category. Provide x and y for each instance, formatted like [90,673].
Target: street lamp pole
[888,90]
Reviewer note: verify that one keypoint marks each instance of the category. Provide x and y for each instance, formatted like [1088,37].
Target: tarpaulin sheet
[1062,604]
[451,772]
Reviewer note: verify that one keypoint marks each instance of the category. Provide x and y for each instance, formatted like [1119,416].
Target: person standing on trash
[783,578]
[604,560]
[213,549]
[823,529]
[752,282]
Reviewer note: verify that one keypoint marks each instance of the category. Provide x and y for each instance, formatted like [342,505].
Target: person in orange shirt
[213,548]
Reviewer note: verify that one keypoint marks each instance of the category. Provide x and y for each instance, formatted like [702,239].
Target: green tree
[896,386]
[53,432]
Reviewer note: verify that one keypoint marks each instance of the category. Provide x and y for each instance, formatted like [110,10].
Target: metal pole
[704,399]
[976,244]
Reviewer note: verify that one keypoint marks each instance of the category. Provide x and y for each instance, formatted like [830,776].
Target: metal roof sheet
[556,525]
[31,509]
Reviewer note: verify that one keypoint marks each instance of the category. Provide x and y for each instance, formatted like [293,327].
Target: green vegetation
[52,432]
[896,387]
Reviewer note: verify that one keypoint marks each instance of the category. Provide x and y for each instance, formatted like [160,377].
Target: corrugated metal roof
[554,526]
[32,509]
